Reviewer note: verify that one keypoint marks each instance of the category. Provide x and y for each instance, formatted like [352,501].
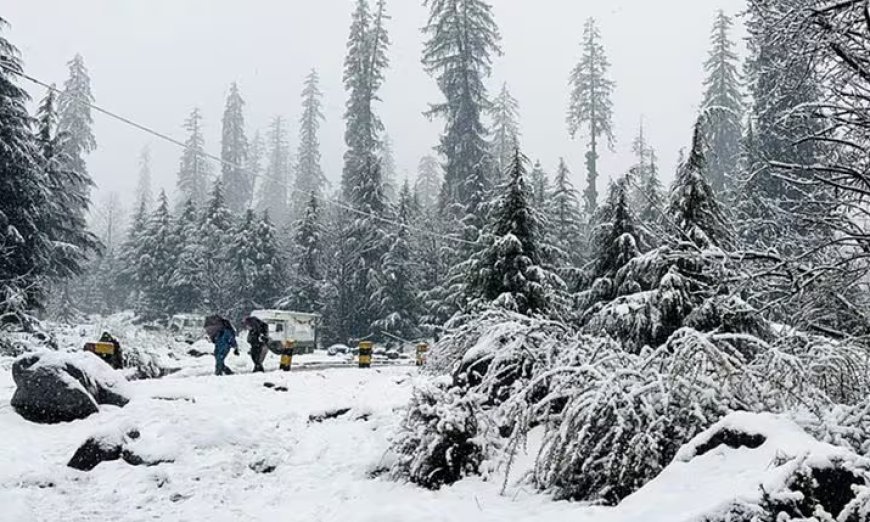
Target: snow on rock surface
[720,468]
[64,386]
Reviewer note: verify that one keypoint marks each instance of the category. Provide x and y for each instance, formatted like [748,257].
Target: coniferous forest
[604,318]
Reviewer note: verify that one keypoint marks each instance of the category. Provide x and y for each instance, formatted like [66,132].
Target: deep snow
[242,451]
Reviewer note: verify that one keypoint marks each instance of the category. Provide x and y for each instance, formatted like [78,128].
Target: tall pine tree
[591,106]
[156,263]
[567,221]
[305,289]
[723,107]
[462,38]
[310,179]
[194,173]
[234,152]
[276,180]
[505,114]
[144,195]
[427,187]
[75,122]
[362,178]
[23,246]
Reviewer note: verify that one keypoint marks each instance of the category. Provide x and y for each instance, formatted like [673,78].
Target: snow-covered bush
[444,437]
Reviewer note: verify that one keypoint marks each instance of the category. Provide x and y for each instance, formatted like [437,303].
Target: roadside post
[287,355]
[365,354]
[422,348]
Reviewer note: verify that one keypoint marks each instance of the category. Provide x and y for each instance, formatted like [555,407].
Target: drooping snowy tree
[75,121]
[591,107]
[276,179]
[505,116]
[63,218]
[25,248]
[462,38]
[362,177]
[723,107]
[144,195]
[427,187]
[509,272]
[307,273]
[194,173]
[310,179]
[234,152]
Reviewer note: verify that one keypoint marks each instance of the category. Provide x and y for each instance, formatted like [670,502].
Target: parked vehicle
[187,328]
[338,349]
[287,328]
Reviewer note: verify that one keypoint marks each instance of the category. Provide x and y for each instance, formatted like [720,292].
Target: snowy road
[242,452]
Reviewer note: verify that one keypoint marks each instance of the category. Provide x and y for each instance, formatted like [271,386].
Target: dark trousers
[258,355]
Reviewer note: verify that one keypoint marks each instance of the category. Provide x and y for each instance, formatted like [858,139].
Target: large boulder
[60,387]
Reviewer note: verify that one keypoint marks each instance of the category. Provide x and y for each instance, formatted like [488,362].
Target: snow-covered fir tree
[462,39]
[693,207]
[398,281]
[775,201]
[427,186]
[591,108]
[307,273]
[216,234]
[723,106]
[128,257]
[144,195]
[509,272]
[234,153]
[389,169]
[156,263]
[647,191]
[540,186]
[274,190]
[505,116]
[254,165]
[362,177]
[25,247]
[75,121]
[257,268]
[614,237]
[63,219]
[195,172]
[187,281]
[567,222]
[310,179]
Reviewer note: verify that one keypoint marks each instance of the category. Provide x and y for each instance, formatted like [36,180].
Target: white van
[187,328]
[284,326]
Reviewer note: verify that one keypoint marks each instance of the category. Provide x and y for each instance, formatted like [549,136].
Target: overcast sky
[154,60]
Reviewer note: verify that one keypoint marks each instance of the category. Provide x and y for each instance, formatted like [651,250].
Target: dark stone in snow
[93,452]
[330,414]
[732,439]
[61,387]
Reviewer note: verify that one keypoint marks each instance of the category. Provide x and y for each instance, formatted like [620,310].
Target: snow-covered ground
[245,448]
[223,433]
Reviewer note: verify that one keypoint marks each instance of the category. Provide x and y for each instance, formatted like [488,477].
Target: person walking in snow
[223,335]
[258,338]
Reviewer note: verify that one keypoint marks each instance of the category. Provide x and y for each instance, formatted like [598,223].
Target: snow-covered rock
[60,387]
[748,464]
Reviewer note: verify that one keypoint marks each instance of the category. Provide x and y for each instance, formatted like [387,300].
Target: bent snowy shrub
[442,438]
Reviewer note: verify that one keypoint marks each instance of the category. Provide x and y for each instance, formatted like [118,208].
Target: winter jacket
[224,342]
[258,333]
